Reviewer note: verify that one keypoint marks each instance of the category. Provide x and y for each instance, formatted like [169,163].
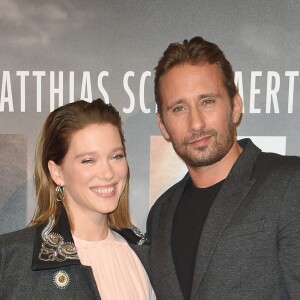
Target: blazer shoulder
[16,248]
[167,195]
[161,205]
[23,236]
[273,162]
[132,235]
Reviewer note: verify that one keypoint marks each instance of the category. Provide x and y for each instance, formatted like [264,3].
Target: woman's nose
[105,171]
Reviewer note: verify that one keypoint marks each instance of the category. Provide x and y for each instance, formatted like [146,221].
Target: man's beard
[206,155]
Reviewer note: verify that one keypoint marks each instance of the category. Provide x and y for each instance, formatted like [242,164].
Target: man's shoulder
[167,195]
[277,162]
[265,162]
[162,203]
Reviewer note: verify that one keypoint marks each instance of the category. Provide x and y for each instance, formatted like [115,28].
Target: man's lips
[200,141]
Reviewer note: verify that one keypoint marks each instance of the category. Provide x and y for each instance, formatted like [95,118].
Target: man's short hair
[195,51]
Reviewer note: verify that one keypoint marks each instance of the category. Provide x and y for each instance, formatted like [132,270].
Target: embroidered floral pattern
[54,247]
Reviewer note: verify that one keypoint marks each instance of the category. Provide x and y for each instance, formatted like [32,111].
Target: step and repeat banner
[55,52]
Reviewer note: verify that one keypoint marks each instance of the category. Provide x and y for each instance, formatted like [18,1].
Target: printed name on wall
[62,83]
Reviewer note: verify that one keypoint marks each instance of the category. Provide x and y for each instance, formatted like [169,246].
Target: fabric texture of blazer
[250,243]
[41,262]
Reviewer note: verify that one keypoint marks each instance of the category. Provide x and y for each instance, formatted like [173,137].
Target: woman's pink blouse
[118,272]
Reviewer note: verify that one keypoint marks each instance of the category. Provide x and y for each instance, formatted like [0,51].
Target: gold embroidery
[54,247]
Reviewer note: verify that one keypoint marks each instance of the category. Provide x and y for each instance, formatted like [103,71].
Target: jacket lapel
[219,216]
[162,253]
[53,245]
[234,190]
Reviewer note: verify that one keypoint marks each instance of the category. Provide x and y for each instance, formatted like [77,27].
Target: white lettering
[291,75]
[22,75]
[253,92]
[59,90]
[6,90]
[272,93]
[100,86]
[38,75]
[129,92]
[142,92]
[86,87]
[71,86]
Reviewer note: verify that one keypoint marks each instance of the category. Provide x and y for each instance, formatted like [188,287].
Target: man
[231,228]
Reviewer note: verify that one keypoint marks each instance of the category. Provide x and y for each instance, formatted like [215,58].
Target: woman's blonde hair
[53,144]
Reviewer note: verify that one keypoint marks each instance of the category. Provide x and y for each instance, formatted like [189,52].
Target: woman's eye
[118,156]
[88,161]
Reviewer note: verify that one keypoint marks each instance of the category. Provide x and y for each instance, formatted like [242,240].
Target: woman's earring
[60,193]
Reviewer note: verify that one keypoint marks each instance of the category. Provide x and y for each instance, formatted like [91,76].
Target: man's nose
[196,120]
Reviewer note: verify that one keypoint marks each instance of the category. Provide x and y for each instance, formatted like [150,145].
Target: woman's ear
[55,172]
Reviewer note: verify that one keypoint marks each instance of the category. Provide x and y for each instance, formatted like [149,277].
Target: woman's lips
[105,191]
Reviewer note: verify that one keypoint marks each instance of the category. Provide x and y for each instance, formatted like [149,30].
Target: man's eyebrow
[207,95]
[176,102]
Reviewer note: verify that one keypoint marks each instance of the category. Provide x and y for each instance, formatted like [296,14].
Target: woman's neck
[88,226]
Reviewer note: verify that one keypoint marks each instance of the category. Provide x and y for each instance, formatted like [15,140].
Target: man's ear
[55,172]
[162,127]
[237,109]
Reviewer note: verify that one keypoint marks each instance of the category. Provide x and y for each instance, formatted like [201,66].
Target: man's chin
[202,161]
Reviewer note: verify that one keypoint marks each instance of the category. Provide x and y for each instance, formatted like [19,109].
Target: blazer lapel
[219,216]
[234,190]
[53,245]
[162,253]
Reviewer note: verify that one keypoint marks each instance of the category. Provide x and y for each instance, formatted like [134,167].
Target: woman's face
[94,171]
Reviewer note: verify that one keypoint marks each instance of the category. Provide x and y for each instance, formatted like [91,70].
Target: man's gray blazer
[250,244]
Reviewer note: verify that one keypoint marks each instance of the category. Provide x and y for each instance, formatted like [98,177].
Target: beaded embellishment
[138,233]
[54,247]
[61,279]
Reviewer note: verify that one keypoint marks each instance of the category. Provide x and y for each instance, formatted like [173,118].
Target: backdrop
[54,52]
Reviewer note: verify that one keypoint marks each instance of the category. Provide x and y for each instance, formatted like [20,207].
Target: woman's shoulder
[21,236]
[132,235]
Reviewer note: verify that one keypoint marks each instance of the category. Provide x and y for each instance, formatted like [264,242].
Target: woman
[72,249]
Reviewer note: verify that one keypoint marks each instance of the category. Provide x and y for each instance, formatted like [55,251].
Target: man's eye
[178,109]
[208,101]
[88,161]
[118,156]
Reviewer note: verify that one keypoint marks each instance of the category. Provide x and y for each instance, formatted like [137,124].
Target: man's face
[197,115]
